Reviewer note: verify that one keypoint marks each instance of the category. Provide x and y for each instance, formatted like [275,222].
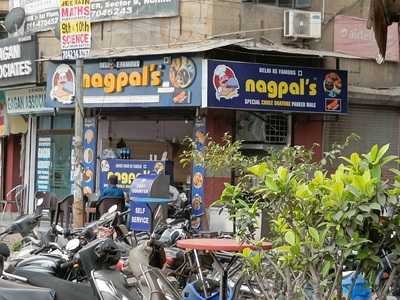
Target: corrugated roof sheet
[205,45]
[188,47]
[292,50]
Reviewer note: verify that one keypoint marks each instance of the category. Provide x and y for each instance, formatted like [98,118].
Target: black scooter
[97,259]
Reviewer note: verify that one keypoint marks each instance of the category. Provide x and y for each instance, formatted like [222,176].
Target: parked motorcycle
[95,259]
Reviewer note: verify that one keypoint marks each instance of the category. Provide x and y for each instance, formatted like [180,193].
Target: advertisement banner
[106,10]
[352,37]
[18,61]
[250,86]
[75,29]
[26,101]
[89,155]
[43,164]
[144,82]
[43,15]
[198,172]
[128,170]
[40,15]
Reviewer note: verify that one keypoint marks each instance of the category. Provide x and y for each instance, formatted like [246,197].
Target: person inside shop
[112,190]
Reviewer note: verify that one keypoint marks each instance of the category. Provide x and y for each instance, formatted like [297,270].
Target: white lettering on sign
[140,210]
[10,52]
[141,220]
[15,69]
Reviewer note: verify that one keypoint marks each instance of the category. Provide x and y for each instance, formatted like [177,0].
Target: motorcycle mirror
[183,197]
[112,209]
[72,245]
[59,229]
[39,202]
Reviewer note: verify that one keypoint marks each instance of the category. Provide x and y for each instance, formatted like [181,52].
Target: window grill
[262,128]
[276,128]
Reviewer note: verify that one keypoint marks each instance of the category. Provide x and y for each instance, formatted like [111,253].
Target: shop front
[268,107]
[137,113]
[18,73]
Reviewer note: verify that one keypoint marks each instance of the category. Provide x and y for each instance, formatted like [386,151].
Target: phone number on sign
[112,12]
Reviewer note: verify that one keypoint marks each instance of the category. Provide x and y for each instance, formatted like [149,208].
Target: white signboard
[75,28]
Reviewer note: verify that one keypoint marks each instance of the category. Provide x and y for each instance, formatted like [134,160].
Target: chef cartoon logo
[63,85]
[225,83]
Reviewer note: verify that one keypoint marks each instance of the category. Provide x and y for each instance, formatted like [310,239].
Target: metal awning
[389,96]
[204,45]
[291,50]
[188,47]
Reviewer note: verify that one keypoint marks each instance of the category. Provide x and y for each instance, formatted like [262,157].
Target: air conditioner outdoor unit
[302,24]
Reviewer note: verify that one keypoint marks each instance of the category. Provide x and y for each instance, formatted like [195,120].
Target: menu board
[43,164]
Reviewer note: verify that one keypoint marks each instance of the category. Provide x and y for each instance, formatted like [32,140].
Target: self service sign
[17,61]
[249,86]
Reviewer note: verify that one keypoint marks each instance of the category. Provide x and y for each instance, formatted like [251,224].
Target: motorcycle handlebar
[156,243]
[67,265]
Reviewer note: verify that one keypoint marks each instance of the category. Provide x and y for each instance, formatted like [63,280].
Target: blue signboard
[89,155]
[128,170]
[198,172]
[141,82]
[140,212]
[250,86]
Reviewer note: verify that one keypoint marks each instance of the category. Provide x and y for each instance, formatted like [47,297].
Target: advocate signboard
[250,86]
[147,82]
[17,61]
[43,15]
[26,101]
[352,37]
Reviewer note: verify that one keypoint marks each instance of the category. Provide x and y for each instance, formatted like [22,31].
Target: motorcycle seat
[4,250]
[11,290]
[65,290]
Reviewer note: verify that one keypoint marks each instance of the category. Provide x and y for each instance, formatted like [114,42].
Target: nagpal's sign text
[17,61]
[144,82]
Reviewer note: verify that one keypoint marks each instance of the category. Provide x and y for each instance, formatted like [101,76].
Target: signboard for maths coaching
[250,86]
[75,28]
[43,15]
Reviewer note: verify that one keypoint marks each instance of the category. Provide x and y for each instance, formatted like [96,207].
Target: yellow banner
[74,2]
[76,26]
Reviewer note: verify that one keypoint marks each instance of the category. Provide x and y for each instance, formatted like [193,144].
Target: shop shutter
[373,125]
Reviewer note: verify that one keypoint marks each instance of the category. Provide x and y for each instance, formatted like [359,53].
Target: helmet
[108,253]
